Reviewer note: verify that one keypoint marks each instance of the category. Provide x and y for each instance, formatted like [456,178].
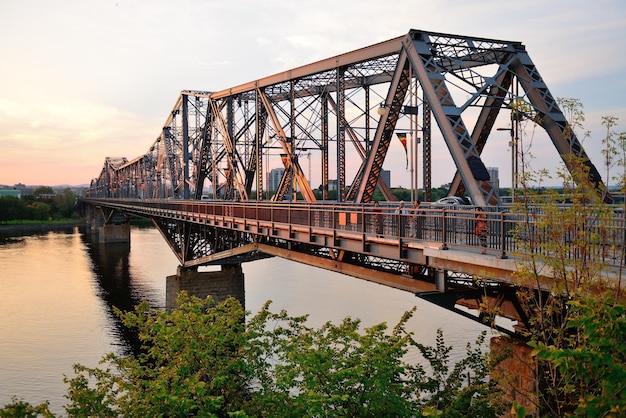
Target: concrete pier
[221,285]
[114,233]
[517,373]
[110,226]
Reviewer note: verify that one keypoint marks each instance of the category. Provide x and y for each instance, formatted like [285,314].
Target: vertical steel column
[368,145]
[230,123]
[324,106]
[259,132]
[292,136]
[341,135]
[426,150]
[185,146]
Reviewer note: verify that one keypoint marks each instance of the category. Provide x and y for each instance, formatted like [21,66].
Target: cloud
[83,80]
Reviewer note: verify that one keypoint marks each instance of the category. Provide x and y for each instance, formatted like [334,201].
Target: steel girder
[191,242]
[224,137]
[552,119]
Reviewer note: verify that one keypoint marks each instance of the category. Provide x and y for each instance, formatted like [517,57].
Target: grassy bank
[26,225]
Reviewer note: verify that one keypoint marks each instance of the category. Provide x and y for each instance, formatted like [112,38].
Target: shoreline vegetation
[53,225]
[33,225]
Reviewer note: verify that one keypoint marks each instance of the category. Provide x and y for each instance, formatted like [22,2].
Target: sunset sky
[83,80]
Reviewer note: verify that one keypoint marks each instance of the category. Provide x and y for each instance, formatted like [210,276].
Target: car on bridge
[451,202]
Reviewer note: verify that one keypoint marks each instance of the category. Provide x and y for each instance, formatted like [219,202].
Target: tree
[11,208]
[595,367]
[563,258]
[192,366]
[42,190]
[22,409]
[38,211]
[65,203]
[608,142]
[206,360]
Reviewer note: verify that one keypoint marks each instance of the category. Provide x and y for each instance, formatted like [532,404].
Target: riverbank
[32,226]
[39,227]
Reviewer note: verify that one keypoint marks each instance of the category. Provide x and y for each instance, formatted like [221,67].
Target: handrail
[445,227]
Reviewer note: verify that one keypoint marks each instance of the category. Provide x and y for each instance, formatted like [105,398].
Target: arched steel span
[344,109]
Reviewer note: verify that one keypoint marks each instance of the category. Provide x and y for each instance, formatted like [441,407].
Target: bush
[200,360]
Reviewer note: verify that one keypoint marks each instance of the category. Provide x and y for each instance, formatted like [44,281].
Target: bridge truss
[342,112]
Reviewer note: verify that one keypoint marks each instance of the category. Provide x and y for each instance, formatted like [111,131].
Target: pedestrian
[482,229]
[378,218]
[400,219]
[416,220]
[401,209]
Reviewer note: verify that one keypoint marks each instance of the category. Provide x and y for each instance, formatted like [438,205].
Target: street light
[513,145]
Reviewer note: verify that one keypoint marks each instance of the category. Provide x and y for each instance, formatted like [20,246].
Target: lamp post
[412,150]
[513,145]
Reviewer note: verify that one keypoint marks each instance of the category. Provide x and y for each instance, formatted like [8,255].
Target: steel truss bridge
[342,113]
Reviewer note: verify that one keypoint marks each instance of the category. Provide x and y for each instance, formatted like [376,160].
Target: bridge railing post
[444,230]
[502,236]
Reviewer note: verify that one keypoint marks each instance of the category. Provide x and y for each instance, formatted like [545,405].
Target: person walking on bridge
[400,219]
[416,220]
[482,229]
[377,218]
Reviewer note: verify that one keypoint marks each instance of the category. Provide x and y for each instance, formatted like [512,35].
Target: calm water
[57,291]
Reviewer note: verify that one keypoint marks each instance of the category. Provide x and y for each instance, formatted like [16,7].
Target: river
[57,290]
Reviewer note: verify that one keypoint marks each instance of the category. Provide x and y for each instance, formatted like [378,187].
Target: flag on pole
[402,138]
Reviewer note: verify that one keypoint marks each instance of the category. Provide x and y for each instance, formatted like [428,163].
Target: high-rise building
[275,175]
[494,179]
[386,176]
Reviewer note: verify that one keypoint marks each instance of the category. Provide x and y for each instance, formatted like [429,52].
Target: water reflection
[50,316]
[111,267]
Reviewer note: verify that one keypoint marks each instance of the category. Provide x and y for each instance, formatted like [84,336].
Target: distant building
[494,179]
[386,176]
[24,189]
[10,192]
[276,174]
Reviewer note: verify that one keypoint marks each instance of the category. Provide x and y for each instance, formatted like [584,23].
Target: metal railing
[507,232]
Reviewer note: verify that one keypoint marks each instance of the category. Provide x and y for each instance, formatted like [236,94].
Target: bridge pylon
[110,225]
[220,285]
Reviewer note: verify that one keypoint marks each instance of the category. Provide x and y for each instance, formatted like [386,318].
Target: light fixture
[382,109]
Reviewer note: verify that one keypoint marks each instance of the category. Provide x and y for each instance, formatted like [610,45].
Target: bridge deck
[431,252]
[439,238]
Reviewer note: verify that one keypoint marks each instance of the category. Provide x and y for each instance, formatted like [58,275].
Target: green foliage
[466,390]
[206,360]
[331,371]
[35,208]
[65,203]
[42,190]
[594,369]
[18,408]
[192,365]
[563,252]
[11,208]
[38,211]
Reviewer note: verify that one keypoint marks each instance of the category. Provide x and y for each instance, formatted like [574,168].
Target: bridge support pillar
[517,373]
[221,285]
[94,222]
[114,233]
[440,280]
